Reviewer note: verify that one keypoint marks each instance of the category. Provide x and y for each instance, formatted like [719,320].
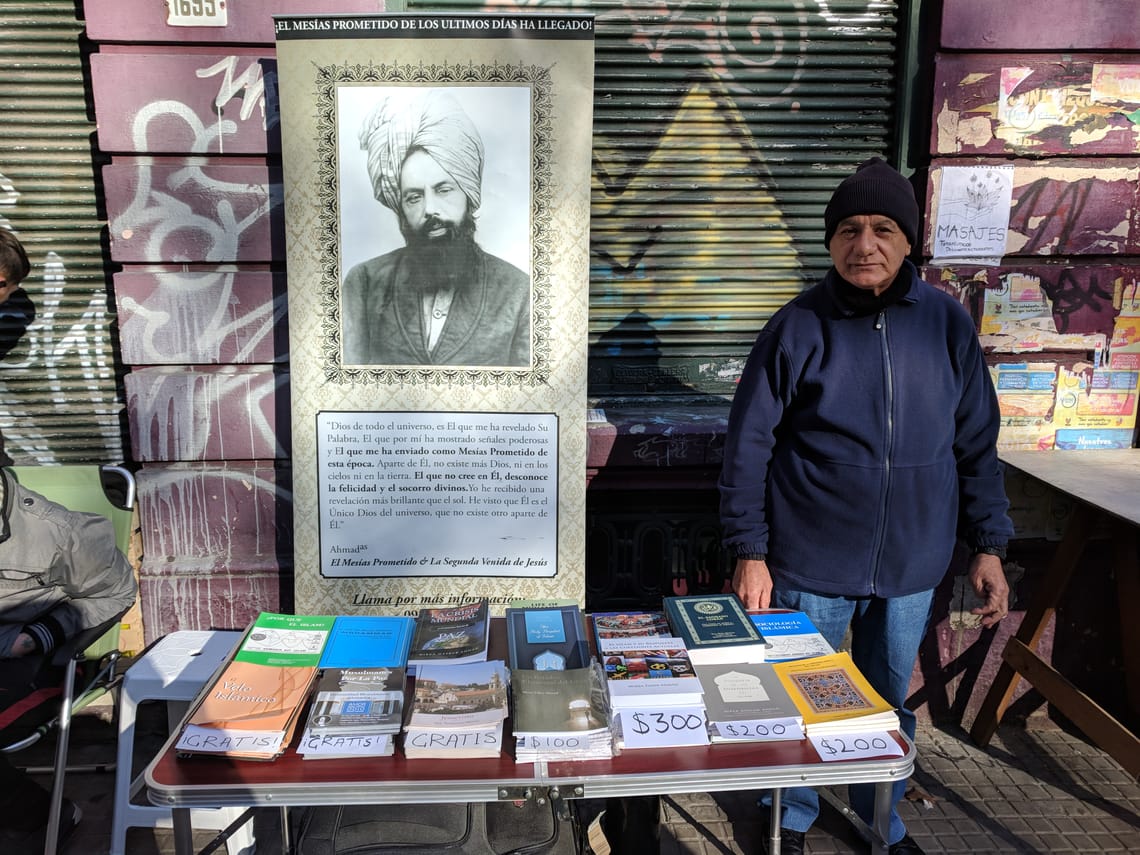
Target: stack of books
[250,711]
[453,634]
[834,697]
[560,715]
[359,703]
[746,701]
[715,628]
[458,710]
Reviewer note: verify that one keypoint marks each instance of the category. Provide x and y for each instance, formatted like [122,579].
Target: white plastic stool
[175,669]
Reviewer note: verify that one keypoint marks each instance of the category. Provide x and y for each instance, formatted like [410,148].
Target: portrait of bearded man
[440,299]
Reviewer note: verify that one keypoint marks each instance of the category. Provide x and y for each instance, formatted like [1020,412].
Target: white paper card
[761,731]
[664,726]
[856,746]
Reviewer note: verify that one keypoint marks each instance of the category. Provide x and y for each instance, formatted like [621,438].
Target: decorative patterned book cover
[715,628]
[454,634]
[547,639]
[628,624]
[832,695]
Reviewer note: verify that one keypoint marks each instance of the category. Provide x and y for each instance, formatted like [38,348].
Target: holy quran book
[453,634]
[833,696]
[715,628]
[250,710]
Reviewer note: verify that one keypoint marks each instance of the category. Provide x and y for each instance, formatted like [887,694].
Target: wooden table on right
[1104,484]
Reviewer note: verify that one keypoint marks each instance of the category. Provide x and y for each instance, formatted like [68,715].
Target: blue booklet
[368,641]
[790,635]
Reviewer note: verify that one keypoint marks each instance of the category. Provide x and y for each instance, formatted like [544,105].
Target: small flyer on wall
[438,494]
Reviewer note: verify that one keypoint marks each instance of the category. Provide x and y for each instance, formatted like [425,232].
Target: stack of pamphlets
[747,702]
[560,715]
[648,678]
[458,710]
[250,710]
[452,634]
[790,635]
[834,697]
[359,702]
[715,628]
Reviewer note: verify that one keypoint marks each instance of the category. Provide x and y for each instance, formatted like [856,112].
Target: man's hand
[988,579]
[753,583]
[22,646]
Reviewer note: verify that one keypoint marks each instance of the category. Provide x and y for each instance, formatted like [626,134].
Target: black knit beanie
[874,188]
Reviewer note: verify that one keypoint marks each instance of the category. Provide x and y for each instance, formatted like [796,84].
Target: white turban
[432,120]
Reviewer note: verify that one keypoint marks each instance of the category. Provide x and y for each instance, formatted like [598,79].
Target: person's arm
[94,575]
[988,579]
[757,407]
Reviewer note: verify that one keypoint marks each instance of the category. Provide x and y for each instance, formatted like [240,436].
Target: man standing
[441,299]
[861,444]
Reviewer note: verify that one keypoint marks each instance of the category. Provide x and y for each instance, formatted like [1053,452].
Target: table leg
[774,824]
[286,836]
[1126,564]
[183,831]
[1036,619]
[884,798]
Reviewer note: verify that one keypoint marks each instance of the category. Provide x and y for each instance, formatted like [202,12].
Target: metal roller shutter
[720,130]
[58,399]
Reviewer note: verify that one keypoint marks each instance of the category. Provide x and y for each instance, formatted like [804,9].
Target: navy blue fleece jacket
[860,446]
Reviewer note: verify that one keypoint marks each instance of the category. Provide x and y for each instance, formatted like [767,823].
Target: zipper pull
[879,319]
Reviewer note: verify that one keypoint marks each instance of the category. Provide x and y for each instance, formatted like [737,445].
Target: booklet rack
[291,781]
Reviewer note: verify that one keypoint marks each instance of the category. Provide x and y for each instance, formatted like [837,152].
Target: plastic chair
[89,660]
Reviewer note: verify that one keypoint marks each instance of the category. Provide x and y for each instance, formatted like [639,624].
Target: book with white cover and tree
[834,697]
[746,701]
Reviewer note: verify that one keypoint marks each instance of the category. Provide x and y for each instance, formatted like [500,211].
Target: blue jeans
[885,635]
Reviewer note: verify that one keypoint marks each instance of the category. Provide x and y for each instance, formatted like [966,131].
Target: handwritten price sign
[665,726]
[538,742]
[760,731]
[856,746]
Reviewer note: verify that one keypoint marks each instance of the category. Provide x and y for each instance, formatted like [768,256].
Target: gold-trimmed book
[715,628]
[834,697]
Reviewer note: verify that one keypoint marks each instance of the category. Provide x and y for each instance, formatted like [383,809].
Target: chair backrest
[81,487]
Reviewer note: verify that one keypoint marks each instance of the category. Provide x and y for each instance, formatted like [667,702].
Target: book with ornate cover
[745,693]
[833,696]
[453,634]
[790,635]
[649,670]
[250,711]
[715,628]
[628,624]
[547,639]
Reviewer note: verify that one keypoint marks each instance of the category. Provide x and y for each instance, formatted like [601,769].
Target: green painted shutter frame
[58,379]
[720,130]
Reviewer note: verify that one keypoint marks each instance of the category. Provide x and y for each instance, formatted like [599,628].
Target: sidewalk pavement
[1042,790]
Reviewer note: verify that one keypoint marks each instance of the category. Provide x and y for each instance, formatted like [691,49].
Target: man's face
[432,202]
[8,285]
[868,250]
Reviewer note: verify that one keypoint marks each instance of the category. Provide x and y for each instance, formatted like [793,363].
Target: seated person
[60,572]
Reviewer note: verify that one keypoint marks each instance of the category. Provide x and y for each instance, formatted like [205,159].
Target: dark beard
[440,262]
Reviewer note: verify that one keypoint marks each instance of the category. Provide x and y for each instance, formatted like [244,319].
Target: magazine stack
[560,715]
[458,710]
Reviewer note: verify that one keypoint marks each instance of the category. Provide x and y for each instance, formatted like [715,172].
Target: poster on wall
[437,206]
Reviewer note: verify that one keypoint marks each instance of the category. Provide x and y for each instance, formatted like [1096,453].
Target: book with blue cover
[368,641]
[715,628]
[547,639]
[790,635]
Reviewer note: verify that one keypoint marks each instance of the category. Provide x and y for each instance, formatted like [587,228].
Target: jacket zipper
[881,327]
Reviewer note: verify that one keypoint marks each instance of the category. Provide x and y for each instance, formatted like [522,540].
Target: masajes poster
[437,208]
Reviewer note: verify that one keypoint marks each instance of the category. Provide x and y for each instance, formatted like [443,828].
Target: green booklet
[286,640]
